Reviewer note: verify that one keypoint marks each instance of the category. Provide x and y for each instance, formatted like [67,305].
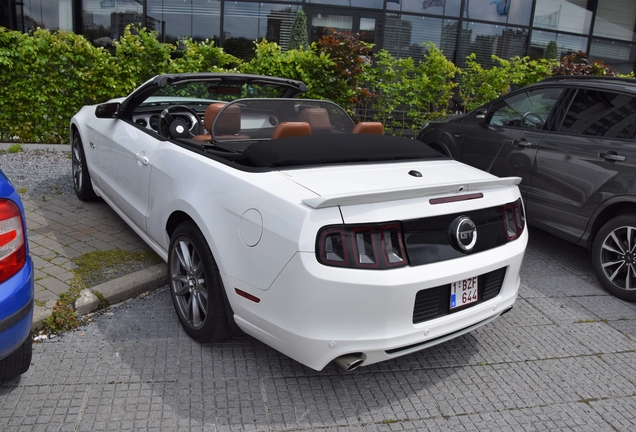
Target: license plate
[463,292]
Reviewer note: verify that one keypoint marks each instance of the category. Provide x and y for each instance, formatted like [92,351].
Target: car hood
[364,184]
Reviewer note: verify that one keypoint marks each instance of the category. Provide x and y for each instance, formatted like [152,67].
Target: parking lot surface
[563,359]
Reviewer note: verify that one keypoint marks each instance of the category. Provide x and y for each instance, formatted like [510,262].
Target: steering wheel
[537,123]
[171,127]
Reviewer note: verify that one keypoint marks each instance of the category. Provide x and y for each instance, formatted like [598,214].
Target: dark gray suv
[571,139]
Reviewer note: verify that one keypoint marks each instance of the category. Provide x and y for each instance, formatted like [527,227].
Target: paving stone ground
[563,359]
[60,228]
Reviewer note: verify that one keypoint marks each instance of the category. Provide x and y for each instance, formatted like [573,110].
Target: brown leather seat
[318,119]
[291,129]
[369,128]
[226,127]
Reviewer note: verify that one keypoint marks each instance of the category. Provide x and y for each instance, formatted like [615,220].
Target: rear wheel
[81,178]
[614,257]
[196,286]
[18,361]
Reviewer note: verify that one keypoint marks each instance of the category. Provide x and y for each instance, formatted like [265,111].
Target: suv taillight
[514,220]
[12,243]
[376,246]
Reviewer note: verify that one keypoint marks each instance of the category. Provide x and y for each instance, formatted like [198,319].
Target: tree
[551,51]
[299,38]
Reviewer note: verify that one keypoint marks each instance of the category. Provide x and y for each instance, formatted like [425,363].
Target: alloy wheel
[618,257]
[189,284]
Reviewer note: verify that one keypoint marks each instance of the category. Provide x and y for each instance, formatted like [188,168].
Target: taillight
[377,246]
[12,244]
[514,220]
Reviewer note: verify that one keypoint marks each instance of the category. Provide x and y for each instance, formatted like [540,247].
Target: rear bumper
[16,309]
[314,314]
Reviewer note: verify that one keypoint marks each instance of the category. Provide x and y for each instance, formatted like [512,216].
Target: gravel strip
[38,172]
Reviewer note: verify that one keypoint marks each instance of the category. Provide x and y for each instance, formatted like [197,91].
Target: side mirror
[481,114]
[107,110]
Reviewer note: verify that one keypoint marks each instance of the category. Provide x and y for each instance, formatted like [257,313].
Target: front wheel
[614,257]
[196,286]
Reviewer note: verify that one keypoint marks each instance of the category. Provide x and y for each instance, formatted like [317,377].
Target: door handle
[522,143]
[611,156]
[141,158]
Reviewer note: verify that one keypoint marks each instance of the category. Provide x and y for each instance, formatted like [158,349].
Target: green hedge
[46,77]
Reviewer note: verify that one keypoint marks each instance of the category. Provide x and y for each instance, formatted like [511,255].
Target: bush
[306,65]
[351,58]
[406,93]
[578,64]
[46,78]
[479,85]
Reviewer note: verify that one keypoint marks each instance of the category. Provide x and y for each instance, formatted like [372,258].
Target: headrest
[291,129]
[318,119]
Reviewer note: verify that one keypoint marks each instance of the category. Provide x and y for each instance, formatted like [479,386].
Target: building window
[619,55]
[404,35]
[566,44]
[486,40]
[244,23]
[448,8]
[48,14]
[109,18]
[569,16]
[616,19]
[175,19]
[502,11]
[372,4]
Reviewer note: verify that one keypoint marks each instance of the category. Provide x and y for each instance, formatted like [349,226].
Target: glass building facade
[605,29]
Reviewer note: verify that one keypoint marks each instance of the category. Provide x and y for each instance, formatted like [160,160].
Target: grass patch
[97,267]
[94,268]
[22,190]
[14,148]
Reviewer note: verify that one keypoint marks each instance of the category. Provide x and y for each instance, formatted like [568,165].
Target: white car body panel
[262,228]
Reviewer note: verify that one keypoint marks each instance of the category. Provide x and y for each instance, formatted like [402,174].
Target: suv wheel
[614,257]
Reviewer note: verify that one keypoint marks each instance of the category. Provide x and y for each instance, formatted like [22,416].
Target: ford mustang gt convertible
[281,218]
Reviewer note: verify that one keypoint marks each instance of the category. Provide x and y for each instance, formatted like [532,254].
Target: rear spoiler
[416,192]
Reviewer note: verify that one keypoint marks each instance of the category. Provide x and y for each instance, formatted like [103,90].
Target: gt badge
[463,234]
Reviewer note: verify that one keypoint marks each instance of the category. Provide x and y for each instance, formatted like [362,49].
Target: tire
[18,361]
[81,178]
[196,286]
[614,257]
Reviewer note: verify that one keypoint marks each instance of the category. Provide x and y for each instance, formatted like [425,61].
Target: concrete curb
[116,290]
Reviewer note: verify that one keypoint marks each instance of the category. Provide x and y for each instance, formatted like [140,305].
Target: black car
[572,141]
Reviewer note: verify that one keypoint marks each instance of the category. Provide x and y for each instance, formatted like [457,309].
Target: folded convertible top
[336,149]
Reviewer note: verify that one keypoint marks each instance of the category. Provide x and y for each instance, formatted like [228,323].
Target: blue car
[16,285]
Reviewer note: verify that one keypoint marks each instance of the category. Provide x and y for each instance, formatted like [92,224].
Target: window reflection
[244,23]
[563,15]
[620,55]
[566,44]
[321,22]
[404,35]
[198,19]
[616,19]
[433,7]
[109,18]
[486,40]
[49,14]
[503,11]
[375,4]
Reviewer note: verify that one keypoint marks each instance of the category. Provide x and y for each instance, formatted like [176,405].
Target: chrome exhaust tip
[349,362]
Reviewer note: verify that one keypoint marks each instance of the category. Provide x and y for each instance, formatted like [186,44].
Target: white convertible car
[281,218]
